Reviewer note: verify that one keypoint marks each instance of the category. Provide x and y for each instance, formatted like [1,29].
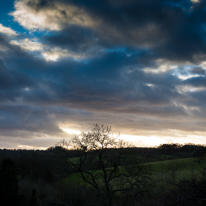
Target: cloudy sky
[135,65]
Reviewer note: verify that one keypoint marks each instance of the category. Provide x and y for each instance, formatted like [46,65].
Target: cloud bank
[138,66]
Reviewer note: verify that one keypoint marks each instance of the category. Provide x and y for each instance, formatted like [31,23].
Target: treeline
[38,175]
[181,148]
[49,165]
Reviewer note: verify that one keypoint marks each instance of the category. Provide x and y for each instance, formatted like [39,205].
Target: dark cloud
[12,83]
[170,29]
[28,118]
[107,83]
[74,38]
[196,81]
[111,82]
[198,70]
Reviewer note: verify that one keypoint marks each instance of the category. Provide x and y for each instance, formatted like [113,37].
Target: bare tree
[102,165]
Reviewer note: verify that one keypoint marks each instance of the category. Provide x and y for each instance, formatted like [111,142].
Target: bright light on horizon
[27,147]
[145,141]
[154,140]
[151,140]
[71,131]
[136,140]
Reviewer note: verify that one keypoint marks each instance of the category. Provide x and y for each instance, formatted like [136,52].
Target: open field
[182,168]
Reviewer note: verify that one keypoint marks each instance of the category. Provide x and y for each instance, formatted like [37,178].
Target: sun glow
[151,140]
[27,147]
[143,140]
[195,1]
[71,131]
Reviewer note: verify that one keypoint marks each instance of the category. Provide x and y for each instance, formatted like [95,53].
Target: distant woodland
[98,174]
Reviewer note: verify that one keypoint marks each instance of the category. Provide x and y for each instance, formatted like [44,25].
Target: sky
[135,65]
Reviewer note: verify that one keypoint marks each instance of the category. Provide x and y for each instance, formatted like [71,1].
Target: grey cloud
[105,83]
[196,81]
[27,118]
[198,70]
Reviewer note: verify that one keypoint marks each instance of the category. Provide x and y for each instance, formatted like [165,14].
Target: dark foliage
[186,150]
[8,183]
[34,199]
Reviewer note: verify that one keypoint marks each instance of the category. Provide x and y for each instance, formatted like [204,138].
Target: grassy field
[185,164]
[181,168]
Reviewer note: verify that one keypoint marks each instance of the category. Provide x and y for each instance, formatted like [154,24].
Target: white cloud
[185,72]
[56,53]
[53,18]
[163,67]
[7,31]
[29,45]
[50,54]
[188,88]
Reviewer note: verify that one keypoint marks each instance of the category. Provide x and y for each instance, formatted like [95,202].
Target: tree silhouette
[34,200]
[103,166]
